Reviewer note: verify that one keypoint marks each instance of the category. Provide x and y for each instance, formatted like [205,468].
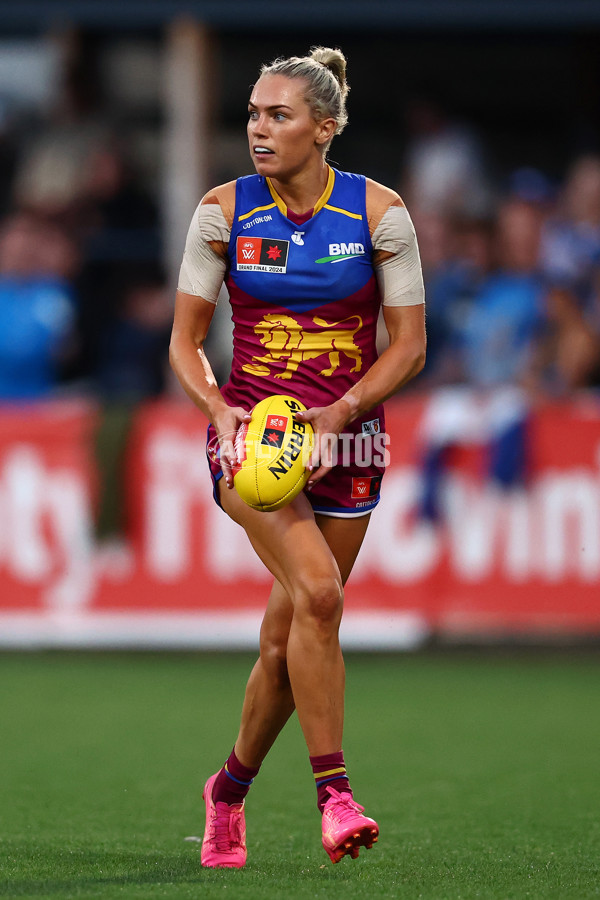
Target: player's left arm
[399,275]
[398,270]
[402,360]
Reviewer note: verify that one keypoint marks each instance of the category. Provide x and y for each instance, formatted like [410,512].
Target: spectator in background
[75,170]
[118,224]
[131,368]
[498,334]
[567,358]
[37,307]
[570,250]
[133,349]
[452,287]
[444,169]
[495,342]
[49,173]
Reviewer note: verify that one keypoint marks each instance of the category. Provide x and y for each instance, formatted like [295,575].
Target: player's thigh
[289,543]
[344,537]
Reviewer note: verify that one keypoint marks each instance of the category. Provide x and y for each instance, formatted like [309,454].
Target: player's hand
[226,425]
[327,422]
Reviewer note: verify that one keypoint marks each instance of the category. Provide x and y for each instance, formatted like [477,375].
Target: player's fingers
[316,453]
[307,415]
[228,460]
[313,459]
[322,459]
[317,475]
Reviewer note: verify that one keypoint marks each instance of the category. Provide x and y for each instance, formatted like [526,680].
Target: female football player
[308,255]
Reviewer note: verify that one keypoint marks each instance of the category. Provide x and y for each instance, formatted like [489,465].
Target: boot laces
[227,827]
[344,807]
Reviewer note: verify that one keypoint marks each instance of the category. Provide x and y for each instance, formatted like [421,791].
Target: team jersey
[305,301]
[304,298]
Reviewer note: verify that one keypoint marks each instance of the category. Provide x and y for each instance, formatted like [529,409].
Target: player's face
[284,137]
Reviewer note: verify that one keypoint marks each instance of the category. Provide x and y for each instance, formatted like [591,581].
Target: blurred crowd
[85,304]
[84,300]
[512,275]
[511,265]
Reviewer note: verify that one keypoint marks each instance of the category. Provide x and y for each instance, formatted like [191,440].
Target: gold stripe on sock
[341,770]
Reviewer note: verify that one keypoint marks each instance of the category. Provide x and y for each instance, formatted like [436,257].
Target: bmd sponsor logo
[340,252]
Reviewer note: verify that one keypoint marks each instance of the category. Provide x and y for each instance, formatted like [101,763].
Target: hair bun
[335,61]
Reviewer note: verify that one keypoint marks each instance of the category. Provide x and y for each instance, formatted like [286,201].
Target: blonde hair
[324,72]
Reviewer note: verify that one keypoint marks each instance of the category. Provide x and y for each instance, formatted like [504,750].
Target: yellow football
[273,450]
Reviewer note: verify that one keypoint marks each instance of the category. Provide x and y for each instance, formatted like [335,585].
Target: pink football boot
[224,844]
[345,829]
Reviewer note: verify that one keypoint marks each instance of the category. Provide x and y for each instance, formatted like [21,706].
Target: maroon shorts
[351,488]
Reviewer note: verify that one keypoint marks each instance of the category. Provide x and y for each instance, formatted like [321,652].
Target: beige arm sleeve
[202,270]
[399,276]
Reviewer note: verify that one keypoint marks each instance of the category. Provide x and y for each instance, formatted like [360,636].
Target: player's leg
[343,537]
[293,548]
[269,701]
[345,827]
[268,704]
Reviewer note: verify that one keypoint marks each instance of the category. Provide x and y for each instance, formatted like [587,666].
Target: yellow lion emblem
[286,341]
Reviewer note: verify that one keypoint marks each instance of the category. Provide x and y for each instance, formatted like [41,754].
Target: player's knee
[320,602]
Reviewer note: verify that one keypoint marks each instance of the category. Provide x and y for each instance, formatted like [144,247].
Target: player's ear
[325,131]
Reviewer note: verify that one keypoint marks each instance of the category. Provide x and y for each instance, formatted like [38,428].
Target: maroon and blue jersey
[305,305]
[304,298]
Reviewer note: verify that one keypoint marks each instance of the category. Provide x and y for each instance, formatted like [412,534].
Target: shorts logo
[365,487]
[371,427]
[274,432]
[256,254]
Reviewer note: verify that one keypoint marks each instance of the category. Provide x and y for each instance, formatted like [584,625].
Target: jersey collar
[281,206]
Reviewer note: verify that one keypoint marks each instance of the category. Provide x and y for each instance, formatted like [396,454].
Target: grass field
[483,772]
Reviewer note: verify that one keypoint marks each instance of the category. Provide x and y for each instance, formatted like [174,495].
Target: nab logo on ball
[273,450]
[274,432]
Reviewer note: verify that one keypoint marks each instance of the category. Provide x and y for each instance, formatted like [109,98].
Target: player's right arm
[202,272]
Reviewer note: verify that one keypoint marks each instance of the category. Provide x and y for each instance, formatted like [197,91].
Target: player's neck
[302,191]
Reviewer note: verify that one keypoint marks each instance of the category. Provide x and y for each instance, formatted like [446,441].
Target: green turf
[484,775]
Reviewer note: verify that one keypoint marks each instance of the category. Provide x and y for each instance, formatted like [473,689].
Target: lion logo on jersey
[286,341]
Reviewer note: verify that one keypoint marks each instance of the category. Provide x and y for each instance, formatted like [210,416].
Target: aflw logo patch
[256,254]
[365,487]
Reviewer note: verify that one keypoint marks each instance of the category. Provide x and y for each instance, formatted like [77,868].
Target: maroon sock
[233,781]
[330,771]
